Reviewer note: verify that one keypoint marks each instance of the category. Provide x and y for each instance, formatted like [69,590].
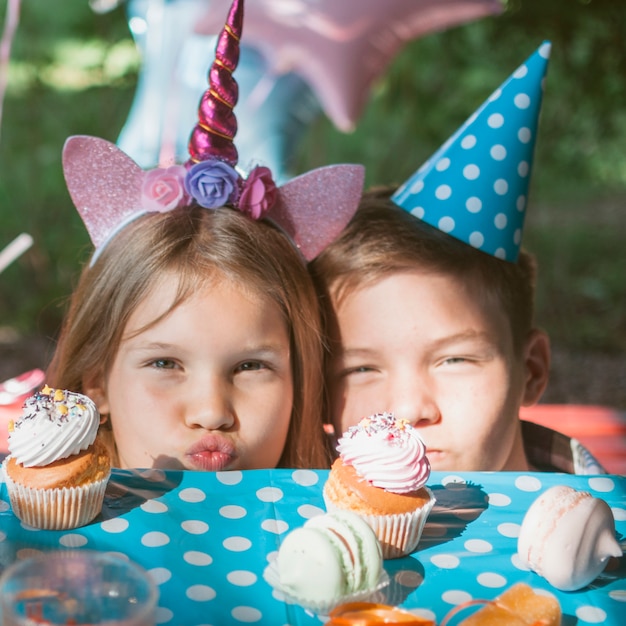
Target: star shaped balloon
[340,47]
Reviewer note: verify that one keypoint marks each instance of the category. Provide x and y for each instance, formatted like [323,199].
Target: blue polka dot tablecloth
[206,538]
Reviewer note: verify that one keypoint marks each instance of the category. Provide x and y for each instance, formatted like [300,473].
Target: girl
[195,328]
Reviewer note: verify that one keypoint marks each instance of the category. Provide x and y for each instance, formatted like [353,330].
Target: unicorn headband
[475,187]
[110,190]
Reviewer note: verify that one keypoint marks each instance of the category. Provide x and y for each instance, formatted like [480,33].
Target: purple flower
[163,189]
[213,183]
[258,193]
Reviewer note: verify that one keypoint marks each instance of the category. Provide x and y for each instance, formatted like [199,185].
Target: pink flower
[163,189]
[258,193]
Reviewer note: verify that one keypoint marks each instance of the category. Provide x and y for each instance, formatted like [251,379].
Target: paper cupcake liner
[56,509]
[272,577]
[400,533]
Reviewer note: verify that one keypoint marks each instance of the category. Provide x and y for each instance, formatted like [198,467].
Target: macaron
[567,536]
[332,556]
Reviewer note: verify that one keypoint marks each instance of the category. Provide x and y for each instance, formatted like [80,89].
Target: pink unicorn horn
[217,125]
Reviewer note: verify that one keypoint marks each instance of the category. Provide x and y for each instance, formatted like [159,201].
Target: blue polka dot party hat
[475,187]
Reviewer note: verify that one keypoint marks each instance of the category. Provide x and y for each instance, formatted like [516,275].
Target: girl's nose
[210,405]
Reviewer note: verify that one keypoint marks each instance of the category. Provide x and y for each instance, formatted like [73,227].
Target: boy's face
[208,387]
[428,349]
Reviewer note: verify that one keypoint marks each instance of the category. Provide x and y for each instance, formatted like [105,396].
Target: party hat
[475,187]
[110,190]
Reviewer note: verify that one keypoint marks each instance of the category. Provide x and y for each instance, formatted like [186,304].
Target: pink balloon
[340,47]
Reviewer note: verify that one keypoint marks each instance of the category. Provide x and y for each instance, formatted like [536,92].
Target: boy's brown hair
[383,239]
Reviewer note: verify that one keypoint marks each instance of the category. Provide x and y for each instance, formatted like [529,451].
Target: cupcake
[57,469]
[381,475]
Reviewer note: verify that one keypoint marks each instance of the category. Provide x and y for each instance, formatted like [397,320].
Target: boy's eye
[250,366]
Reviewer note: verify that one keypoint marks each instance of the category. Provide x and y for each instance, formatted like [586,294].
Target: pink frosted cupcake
[381,474]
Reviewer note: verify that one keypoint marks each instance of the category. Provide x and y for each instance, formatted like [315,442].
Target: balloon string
[10,26]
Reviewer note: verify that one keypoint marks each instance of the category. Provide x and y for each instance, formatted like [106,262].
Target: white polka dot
[476,239]
[445,561]
[418,212]
[455,596]
[520,203]
[473,204]
[269,494]
[501,186]
[241,578]
[469,141]
[3,536]
[115,525]
[524,134]
[500,221]
[163,615]
[517,237]
[195,526]
[246,614]
[521,101]
[544,50]
[233,511]
[154,506]
[416,187]
[523,168]
[518,563]
[479,546]
[307,511]
[495,120]
[590,614]
[619,514]
[498,152]
[233,477]
[305,478]
[602,484]
[509,529]
[200,593]
[500,253]
[446,224]
[452,481]
[30,529]
[275,526]
[155,539]
[4,506]
[426,614]
[237,544]
[491,580]
[442,164]
[499,499]
[73,541]
[160,575]
[191,494]
[520,72]
[195,557]
[443,192]
[619,595]
[471,172]
[495,95]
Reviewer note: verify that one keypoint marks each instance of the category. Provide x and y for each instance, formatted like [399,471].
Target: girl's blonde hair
[199,246]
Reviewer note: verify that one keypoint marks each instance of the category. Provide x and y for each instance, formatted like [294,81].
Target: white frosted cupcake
[381,475]
[57,469]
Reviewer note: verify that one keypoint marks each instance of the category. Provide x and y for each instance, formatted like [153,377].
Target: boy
[432,318]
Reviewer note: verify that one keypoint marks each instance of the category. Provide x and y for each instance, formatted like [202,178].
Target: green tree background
[74,71]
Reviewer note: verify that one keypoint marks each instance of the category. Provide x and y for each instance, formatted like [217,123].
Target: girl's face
[426,348]
[209,387]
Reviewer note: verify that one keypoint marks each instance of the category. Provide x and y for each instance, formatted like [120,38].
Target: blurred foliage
[74,71]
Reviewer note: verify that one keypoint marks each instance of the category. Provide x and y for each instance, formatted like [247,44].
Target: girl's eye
[359,369]
[164,364]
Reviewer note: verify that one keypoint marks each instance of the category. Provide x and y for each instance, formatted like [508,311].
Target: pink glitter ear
[104,183]
[217,125]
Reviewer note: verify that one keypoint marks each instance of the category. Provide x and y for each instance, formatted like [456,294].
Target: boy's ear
[94,387]
[537,366]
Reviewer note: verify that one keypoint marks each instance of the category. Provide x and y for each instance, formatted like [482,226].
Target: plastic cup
[77,587]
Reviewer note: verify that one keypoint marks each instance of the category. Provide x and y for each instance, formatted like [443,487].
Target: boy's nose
[414,402]
[209,406]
